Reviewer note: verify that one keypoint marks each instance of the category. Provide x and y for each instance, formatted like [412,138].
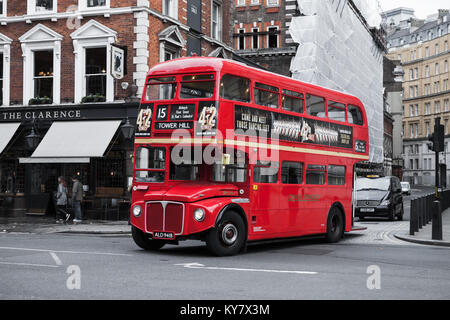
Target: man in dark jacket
[77,196]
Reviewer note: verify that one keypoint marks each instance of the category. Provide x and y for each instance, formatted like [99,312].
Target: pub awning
[74,142]
[7,131]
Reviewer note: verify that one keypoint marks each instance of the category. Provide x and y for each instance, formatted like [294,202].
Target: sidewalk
[44,225]
[424,234]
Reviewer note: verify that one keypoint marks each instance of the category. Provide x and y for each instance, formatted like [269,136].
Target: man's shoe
[67,217]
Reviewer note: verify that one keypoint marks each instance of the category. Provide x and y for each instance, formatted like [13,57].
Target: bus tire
[228,237]
[335,225]
[143,240]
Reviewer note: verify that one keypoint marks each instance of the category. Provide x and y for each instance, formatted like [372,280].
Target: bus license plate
[163,235]
[367,210]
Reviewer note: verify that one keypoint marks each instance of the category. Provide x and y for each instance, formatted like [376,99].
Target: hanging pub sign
[118,61]
[264,123]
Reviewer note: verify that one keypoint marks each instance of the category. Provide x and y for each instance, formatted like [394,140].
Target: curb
[96,232]
[440,243]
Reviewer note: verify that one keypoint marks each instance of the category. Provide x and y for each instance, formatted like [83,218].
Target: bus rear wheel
[335,225]
[143,240]
[228,237]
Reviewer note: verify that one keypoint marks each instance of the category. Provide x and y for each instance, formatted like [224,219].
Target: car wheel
[143,240]
[228,237]
[335,225]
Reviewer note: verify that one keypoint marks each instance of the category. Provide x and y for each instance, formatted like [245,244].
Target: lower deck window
[292,173]
[336,175]
[265,173]
[315,174]
[150,164]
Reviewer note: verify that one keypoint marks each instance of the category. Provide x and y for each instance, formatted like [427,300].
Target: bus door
[265,199]
[292,194]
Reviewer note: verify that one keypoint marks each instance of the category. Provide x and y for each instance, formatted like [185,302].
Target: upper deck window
[235,88]
[355,115]
[266,95]
[315,106]
[292,101]
[336,111]
[197,86]
[162,88]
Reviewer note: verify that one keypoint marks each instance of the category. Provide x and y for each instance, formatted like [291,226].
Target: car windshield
[372,184]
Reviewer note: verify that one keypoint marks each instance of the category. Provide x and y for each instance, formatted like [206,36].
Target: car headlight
[386,202]
[137,211]
[199,214]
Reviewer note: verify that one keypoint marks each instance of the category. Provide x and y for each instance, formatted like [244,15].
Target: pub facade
[72,73]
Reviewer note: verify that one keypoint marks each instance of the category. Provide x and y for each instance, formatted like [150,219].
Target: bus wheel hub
[229,234]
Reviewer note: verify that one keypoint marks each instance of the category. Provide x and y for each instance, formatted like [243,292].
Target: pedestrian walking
[77,196]
[61,201]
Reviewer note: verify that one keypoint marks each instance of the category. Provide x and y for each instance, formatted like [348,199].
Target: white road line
[63,251]
[195,265]
[55,257]
[28,264]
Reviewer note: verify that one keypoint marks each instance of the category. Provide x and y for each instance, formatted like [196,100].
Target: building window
[255,38]
[437,49]
[427,71]
[272,3]
[240,2]
[40,6]
[43,74]
[427,126]
[1,78]
[446,126]
[170,8]
[437,107]
[446,105]
[241,39]
[96,3]
[92,48]
[436,68]
[427,52]
[255,2]
[446,65]
[2,7]
[95,71]
[216,21]
[93,4]
[272,37]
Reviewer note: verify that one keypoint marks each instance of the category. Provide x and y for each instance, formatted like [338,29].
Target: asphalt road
[370,264]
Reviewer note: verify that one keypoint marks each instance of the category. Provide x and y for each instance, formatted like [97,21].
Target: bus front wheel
[143,240]
[335,225]
[228,237]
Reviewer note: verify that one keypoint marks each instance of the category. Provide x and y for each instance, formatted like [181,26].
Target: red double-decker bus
[228,154]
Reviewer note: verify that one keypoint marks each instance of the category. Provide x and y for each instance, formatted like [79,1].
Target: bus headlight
[199,214]
[137,211]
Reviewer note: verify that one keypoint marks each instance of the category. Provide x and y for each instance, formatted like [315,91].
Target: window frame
[260,164]
[31,8]
[324,105]
[4,7]
[219,22]
[343,107]
[316,170]
[5,49]
[83,6]
[260,88]
[339,177]
[213,79]
[135,169]
[235,76]
[286,93]
[302,180]
[275,34]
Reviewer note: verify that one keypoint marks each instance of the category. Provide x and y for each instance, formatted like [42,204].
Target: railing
[422,210]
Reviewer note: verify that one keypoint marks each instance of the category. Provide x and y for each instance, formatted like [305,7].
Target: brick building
[63,79]
[261,32]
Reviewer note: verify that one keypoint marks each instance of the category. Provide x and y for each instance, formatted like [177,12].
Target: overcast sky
[422,8]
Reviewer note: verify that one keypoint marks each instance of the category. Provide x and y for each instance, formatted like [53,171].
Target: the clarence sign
[65,114]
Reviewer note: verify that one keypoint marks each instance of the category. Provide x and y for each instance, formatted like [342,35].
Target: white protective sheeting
[337,51]
[75,140]
[7,131]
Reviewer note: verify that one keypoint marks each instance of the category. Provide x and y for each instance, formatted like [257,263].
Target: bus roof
[213,64]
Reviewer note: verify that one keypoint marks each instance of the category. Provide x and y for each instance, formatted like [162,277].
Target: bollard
[436,233]
[412,218]
[427,209]
[420,213]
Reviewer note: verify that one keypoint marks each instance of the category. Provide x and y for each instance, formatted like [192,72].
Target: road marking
[64,251]
[29,264]
[55,257]
[195,265]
